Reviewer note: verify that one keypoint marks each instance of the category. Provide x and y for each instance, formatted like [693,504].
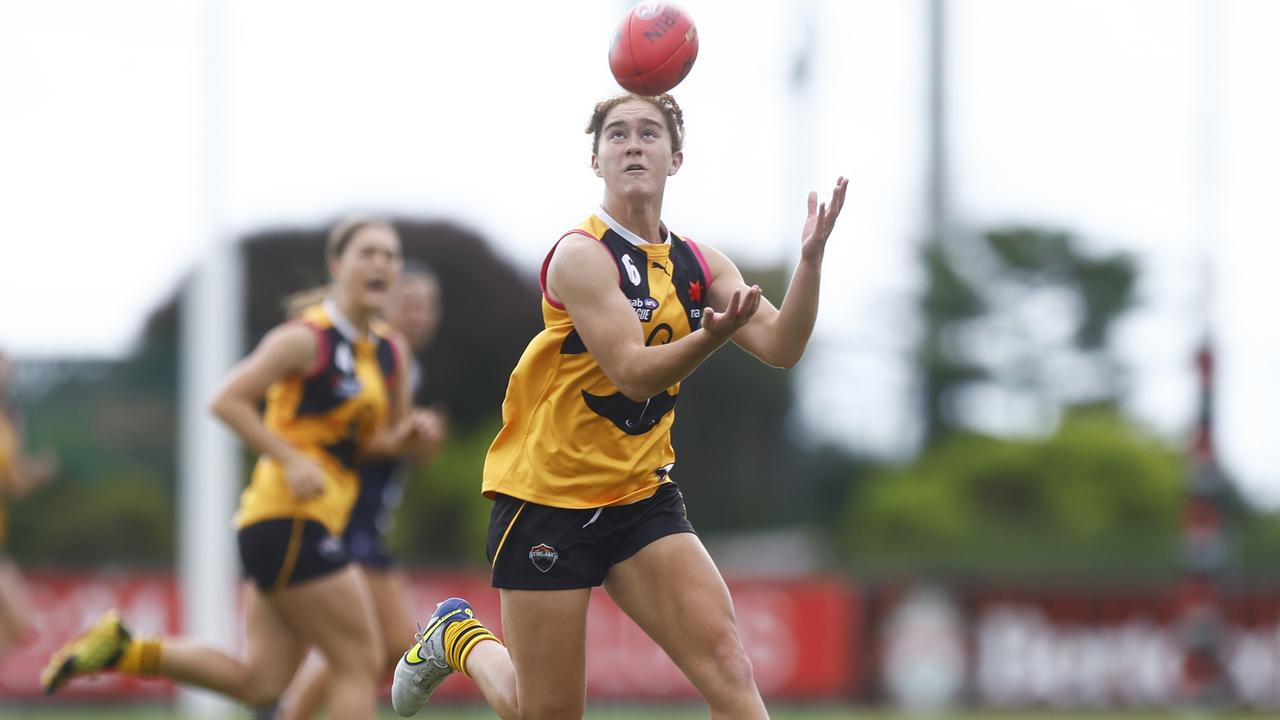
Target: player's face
[414,309]
[634,156]
[368,267]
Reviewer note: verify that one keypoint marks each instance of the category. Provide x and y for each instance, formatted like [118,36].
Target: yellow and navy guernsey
[328,413]
[8,456]
[570,438]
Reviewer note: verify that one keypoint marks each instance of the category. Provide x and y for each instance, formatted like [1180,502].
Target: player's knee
[729,658]
[362,661]
[552,708]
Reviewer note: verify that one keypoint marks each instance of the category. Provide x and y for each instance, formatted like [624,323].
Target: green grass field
[62,712]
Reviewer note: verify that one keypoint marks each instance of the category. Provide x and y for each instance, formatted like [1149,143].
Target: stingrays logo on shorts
[543,556]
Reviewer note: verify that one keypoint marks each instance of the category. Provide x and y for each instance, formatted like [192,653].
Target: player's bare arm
[287,350]
[779,336]
[584,277]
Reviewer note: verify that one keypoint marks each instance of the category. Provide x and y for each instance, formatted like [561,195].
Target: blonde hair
[339,238]
[666,105]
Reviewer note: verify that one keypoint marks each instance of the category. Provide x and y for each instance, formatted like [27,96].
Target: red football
[654,48]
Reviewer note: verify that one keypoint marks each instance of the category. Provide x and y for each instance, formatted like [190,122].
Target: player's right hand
[742,306]
[304,476]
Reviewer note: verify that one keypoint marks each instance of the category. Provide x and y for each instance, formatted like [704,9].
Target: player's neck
[358,317]
[642,217]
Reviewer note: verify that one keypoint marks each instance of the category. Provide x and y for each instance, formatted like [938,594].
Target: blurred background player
[333,386]
[414,311]
[19,475]
[580,473]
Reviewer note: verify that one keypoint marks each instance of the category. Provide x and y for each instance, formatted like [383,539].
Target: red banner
[65,604]
[800,635]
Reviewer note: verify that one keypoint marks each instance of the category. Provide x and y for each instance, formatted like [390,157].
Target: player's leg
[545,561]
[335,613]
[273,650]
[388,590]
[674,592]
[546,635]
[272,654]
[307,691]
[542,675]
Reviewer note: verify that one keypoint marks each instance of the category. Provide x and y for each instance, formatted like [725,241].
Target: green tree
[1100,496]
[1021,316]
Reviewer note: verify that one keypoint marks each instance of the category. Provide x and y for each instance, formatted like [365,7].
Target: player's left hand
[821,218]
[426,432]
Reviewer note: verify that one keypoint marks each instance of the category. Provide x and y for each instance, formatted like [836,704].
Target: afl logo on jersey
[644,308]
[543,556]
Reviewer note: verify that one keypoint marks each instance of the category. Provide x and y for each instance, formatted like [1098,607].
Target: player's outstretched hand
[820,220]
[722,325]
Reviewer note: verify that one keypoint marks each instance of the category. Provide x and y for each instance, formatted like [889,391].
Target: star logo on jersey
[695,291]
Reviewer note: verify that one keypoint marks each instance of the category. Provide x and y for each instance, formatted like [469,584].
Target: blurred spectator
[19,475]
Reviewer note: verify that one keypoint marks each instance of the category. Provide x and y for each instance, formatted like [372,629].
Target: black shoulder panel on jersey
[319,392]
[633,265]
[387,360]
[689,281]
[573,344]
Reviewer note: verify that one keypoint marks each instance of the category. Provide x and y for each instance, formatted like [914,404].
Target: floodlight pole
[210,326]
[1204,680]
[937,201]
[937,198]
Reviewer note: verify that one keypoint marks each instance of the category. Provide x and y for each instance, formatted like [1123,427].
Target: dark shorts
[278,553]
[536,547]
[366,532]
[364,545]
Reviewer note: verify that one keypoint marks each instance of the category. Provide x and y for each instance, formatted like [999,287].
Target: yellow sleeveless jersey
[8,456]
[570,438]
[329,414]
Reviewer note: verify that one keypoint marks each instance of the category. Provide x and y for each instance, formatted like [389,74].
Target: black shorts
[366,532]
[365,546]
[278,553]
[536,547]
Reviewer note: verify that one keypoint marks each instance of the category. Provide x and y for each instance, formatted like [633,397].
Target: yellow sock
[141,658]
[460,638]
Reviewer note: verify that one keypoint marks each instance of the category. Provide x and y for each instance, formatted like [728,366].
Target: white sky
[122,155]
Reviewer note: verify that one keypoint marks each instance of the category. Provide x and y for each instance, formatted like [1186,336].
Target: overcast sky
[133,136]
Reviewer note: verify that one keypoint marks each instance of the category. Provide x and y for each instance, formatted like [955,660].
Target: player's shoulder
[586,239]
[592,227]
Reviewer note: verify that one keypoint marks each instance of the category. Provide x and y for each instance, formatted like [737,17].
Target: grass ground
[64,712]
